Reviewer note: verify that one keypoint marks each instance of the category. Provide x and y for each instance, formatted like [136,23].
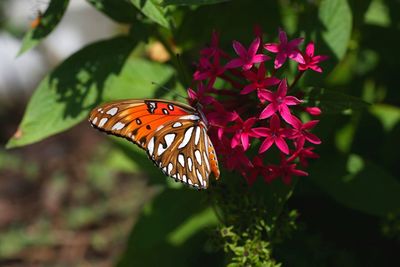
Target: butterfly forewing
[172,133]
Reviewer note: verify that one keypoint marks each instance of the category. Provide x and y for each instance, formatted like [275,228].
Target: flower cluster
[250,112]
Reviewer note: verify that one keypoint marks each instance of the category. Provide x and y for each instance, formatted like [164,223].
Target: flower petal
[291,101]
[312,138]
[239,49]
[310,49]
[285,113]
[248,89]
[281,144]
[280,60]
[272,47]
[282,37]
[282,88]
[254,47]
[266,145]
[296,56]
[234,63]
[275,123]
[268,111]
[266,94]
[260,58]
[244,138]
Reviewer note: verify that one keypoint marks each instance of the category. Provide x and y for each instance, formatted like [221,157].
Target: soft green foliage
[351,188]
[47,22]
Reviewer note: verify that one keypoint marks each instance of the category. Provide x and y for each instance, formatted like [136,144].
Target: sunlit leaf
[93,74]
[192,2]
[45,24]
[153,11]
[336,18]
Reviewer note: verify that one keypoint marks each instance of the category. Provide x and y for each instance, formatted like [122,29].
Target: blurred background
[70,199]
[80,198]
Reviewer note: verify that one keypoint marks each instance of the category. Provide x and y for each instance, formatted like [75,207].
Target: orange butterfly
[173,134]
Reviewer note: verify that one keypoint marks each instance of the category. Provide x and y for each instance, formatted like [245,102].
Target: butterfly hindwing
[173,135]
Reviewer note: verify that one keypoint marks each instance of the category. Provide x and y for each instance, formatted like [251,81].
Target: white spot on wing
[170,167]
[94,121]
[150,146]
[197,136]
[190,182]
[160,149]
[186,138]
[181,160]
[206,160]
[177,124]
[159,127]
[184,178]
[199,177]
[169,138]
[190,163]
[190,117]
[118,126]
[102,122]
[197,154]
[112,111]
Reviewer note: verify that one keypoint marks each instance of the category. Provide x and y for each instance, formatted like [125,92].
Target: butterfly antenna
[168,90]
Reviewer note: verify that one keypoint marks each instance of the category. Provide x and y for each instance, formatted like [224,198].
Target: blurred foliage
[347,208]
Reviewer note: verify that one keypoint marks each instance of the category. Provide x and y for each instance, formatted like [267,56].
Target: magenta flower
[259,81]
[243,132]
[301,131]
[273,135]
[200,96]
[286,170]
[247,58]
[258,168]
[279,102]
[285,50]
[209,70]
[220,117]
[315,111]
[311,61]
[303,154]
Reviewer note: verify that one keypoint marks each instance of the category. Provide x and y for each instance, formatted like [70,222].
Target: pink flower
[200,96]
[220,117]
[315,111]
[285,50]
[247,58]
[286,171]
[300,131]
[273,134]
[258,80]
[311,61]
[233,158]
[243,132]
[259,168]
[209,70]
[279,102]
[303,154]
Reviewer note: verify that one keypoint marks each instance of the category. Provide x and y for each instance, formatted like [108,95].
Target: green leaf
[93,74]
[192,2]
[121,11]
[378,14]
[336,17]
[172,225]
[331,101]
[358,184]
[153,11]
[47,22]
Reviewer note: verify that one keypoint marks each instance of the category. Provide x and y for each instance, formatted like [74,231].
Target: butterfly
[173,134]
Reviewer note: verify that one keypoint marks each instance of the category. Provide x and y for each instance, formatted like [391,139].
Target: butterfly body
[173,134]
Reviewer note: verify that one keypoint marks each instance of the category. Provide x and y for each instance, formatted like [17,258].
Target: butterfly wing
[173,135]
